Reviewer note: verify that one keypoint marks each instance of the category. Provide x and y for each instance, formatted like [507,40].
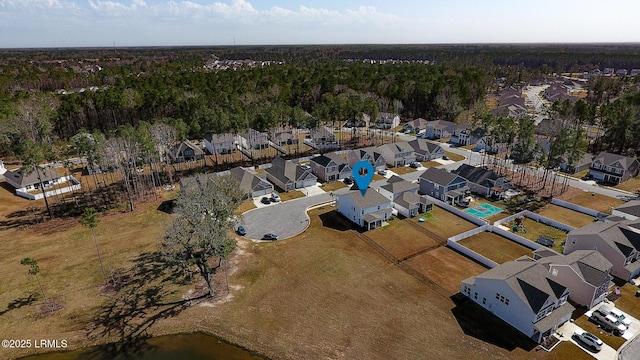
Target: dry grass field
[631,185]
[401,239]
[590,200]
[446,267]
[565,216]
[400,170]
[454,156]
[334,185]
[535,229]
[444,223]
[495,247]
[323,294]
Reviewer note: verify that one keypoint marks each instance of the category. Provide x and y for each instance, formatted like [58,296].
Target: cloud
[30,4]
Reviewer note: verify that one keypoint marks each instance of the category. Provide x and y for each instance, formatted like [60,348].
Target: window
[506,301]
[501,298]
[573,241]
[497,296]
[484,300]
[554,272]
[475,295]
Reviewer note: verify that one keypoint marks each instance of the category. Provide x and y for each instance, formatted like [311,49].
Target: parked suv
[616,314]
[588,339]
[608,322]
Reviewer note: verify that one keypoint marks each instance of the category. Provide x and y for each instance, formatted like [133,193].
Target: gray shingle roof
[400,186]
[438,176]
[371,198]
[248,180]
[23,179]
[592,266]
[477,175]
[609,159]
[632,208]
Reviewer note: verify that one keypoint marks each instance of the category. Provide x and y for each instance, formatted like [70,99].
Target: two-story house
[586,273]
[330,167]
[254,140]
[250,183]
[186,151]
[370,154]
[288,176]
[524,294]
[483,181]
[619,242]
[368,211]
[322,138]
[426,150]
[462,135]
[283,136]
[443,185]
[220,143]
[416,125]
[387,120]
[613,168]
[397,154]
[439,129]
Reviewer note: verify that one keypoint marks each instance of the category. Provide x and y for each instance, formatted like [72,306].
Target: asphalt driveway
[285,219]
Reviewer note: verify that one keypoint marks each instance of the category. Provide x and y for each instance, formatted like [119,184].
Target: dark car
[265,200]
[348,181]
[270,236]
[242,231]
[415,164]
[445,157]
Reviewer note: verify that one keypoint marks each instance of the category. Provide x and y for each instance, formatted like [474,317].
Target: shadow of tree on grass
[144,294]
[20,302]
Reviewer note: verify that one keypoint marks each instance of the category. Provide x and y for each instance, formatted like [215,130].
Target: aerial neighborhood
[520,214]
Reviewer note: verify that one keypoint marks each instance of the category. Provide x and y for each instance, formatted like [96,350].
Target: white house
[368,211]
[2,168]
[426,150]
[398,153]
[220,143]
[250,183]
[524,294]
[288,176]
[395,186]
[27,185]
[410,204]
[370,154]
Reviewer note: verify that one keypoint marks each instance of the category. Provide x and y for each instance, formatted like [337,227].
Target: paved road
[284,218]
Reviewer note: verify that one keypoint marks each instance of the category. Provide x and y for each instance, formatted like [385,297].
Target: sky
[101,23]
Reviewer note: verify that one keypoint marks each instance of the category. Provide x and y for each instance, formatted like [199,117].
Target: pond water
[196,346]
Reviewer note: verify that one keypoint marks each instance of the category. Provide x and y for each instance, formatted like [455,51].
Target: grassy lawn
[446,267]
[590,200]
[535,229]
[628,302]
[291,194]
[401,239]
[245,206]
[454,156]
[580,174]
[377,177]
[495,247]
[402,170]
[565,216]
[443,223]
[430,163]
[631,185]
[322,294]
[333,186]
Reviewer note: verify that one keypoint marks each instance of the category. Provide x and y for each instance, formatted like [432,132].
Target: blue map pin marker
[362,174]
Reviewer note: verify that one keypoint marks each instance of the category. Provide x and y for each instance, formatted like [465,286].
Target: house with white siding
[186,151]
[220,143]
[370,154]
[613,168]
[330,167]
[426,150]
[397,154]
[443,185]
[524,294]
[41,182]
[369,211]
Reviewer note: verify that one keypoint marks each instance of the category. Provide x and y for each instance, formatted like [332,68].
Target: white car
[588,339]
[616,314]
[275,197]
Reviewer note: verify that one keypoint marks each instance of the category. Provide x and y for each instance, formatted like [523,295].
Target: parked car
[608,322]
[382,172]
[445,157]
[305,166]
[241,231]
[270,236]
[615,313]
[415,165]
[545,240]
[588,339]
[348,180]
[265,200]
[275,197]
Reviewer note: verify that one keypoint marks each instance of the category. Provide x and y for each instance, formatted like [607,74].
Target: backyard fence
[452,209]
[579,208]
